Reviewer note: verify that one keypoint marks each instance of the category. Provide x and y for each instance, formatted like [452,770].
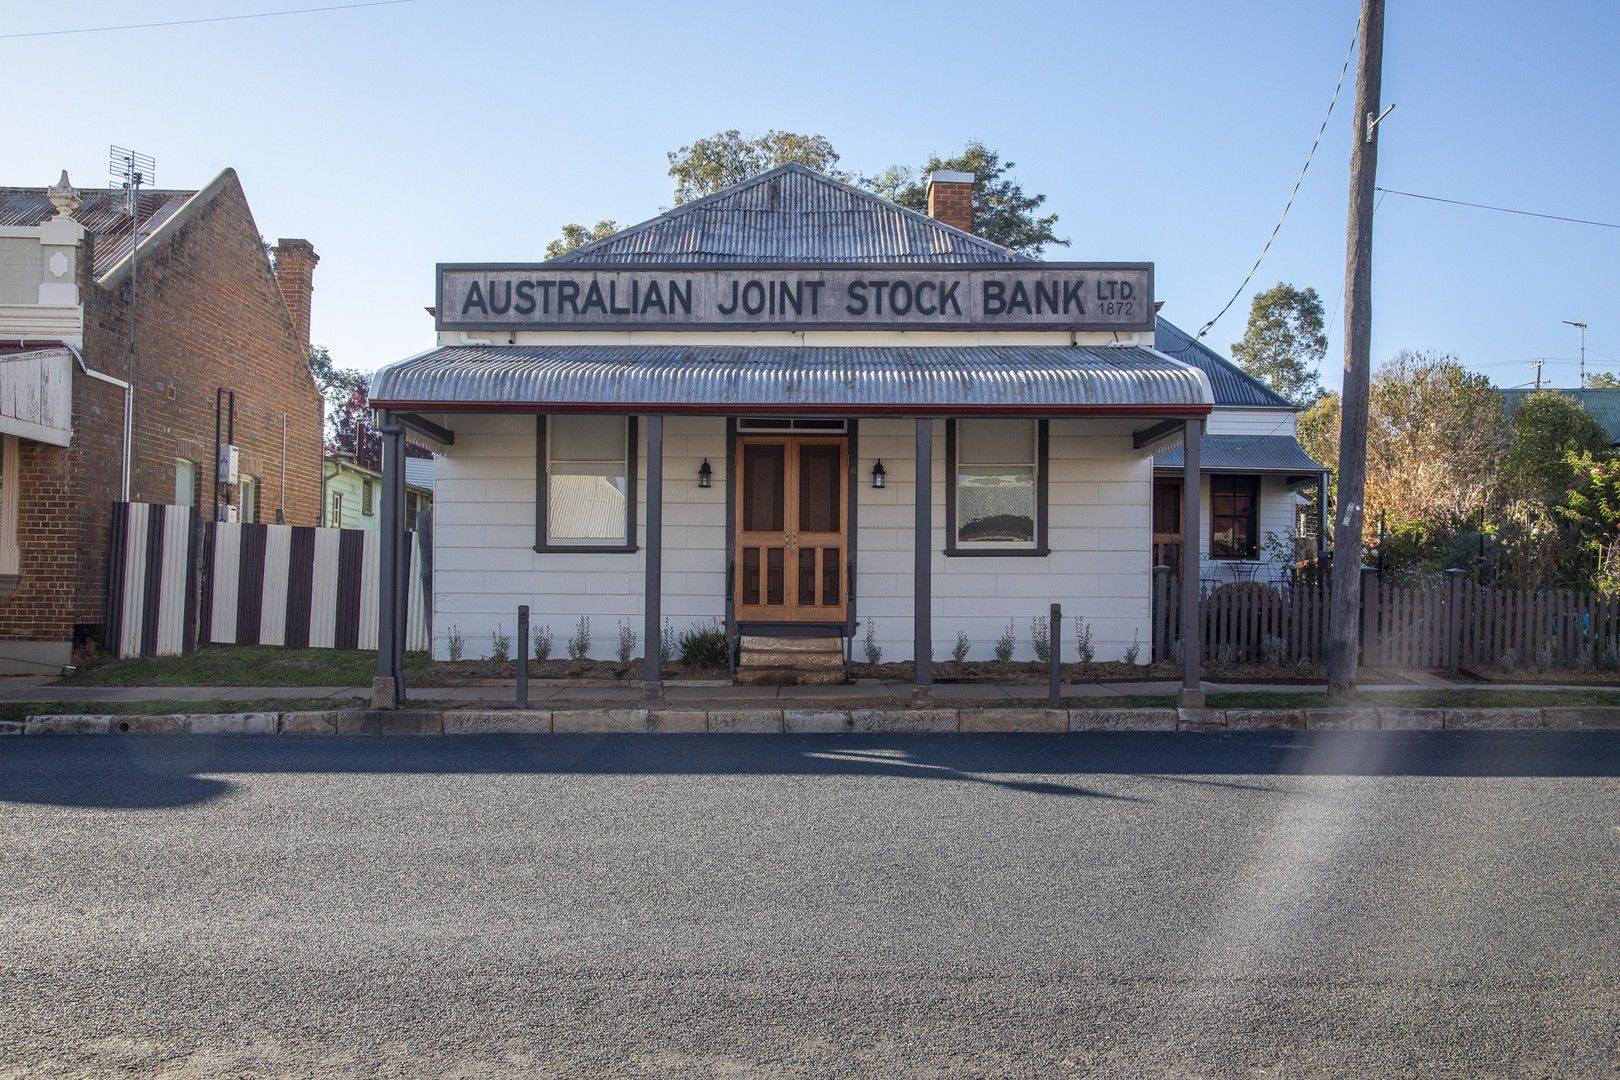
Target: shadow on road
[176,770]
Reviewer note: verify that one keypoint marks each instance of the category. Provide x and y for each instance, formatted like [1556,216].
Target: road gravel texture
[1351,904]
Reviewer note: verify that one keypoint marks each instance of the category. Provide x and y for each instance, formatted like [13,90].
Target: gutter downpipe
[129,405]
[387,688]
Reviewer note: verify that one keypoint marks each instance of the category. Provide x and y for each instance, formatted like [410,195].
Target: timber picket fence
[176,581]
[1456,623]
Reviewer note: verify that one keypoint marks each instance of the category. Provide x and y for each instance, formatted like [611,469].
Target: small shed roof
[1272,454]
[850,380]
[1602,403]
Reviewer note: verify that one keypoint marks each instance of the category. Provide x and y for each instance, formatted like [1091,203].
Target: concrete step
[753,642]
[807,661]
[788,677]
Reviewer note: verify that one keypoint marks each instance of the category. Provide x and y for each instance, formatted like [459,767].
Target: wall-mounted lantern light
[705,474]
[879,474]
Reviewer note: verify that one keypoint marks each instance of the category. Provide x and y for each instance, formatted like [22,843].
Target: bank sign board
[1002,296]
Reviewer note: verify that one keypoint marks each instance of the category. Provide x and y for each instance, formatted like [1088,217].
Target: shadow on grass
[176,770]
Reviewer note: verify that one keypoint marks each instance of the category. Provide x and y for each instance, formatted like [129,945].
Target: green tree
[1546,429]
[1284,343]
[337,385]
[730,157]
[1591,507]
[576,236]
[1002,212]
[1603,380]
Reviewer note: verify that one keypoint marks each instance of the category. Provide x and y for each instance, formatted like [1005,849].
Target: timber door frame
[795,543]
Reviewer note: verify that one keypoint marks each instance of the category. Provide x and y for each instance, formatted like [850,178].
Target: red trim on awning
[806,409]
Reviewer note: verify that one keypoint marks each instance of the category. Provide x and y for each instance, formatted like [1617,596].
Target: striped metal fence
[177,582]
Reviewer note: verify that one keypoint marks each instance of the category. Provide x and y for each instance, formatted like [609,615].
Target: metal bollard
[1054,642]
[523,657]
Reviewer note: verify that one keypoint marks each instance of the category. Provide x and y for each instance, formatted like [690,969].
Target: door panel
[791,536]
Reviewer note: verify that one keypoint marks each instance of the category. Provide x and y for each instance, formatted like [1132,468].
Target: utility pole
[1580,326]
[1537,365]
[1344,623]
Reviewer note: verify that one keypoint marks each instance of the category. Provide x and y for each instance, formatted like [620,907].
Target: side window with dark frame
[996,484]
[1234,517]
[585,482]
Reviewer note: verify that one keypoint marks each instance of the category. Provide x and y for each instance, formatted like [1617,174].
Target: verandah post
[652,677]
[385,688]
[922,625]
[1192,629]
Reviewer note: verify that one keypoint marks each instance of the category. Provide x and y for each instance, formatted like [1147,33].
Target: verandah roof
[854,380]
[1270,454]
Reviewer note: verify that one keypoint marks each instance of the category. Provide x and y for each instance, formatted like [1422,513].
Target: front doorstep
[1023,720]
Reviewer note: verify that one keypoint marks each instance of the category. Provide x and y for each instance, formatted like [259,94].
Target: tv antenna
[1582,328]
[131,170]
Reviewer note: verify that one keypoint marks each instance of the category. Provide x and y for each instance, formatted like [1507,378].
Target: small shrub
[1544,656]
[1134,649]
[455,644]
[1177,652]
[666,643]
[1273,650]
[874,651]
[500,644]
[1006,643]
[704,647]
[1509,660]
[542,643]
[960,652]
[1087,649]
[1586,660]
[1040,638]
[579,646]
[627,642]
[1227,656]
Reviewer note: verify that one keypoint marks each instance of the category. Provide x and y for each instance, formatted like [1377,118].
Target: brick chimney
[295,275]
[950,199]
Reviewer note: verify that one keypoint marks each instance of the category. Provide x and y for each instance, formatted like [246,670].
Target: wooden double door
[792,528]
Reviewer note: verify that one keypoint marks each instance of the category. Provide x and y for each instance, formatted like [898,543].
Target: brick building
[220,357]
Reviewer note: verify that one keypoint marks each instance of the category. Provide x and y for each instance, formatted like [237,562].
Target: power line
[206,19]
[1501,209]
[1298,180]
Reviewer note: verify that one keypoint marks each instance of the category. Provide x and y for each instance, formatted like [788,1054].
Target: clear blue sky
[395,137]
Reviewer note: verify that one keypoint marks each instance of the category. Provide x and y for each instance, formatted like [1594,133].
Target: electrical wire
[205,19]
[1300,179]
[1500,209]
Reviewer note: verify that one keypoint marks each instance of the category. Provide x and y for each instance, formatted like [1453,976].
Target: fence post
[1161,612]
[1369,614]
[523,657]
[1054,655]
[1454,617]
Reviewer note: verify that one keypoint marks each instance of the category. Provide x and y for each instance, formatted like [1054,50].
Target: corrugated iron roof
[103,213]
[1245,453]
[1232,385]
[791,214]
[856,379]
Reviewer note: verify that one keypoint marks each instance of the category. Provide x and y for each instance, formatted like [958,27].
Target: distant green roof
[1604,405]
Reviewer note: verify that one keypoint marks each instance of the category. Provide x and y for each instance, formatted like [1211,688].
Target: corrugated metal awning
[1246,453]
[853,380]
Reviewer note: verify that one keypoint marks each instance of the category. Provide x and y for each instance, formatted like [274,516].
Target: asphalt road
[1256,905]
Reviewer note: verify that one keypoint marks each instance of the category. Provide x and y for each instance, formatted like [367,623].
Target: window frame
[1043,456]
[1253,516]
[542,476]
[336,510]
[368,499]
[246,485]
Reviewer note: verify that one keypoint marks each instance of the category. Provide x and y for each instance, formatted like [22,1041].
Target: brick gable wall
[211,315]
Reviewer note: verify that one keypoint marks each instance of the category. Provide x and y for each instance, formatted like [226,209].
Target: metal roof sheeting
[102,212]
[1232,385]
[792,214]
[1245,453]
[718,378]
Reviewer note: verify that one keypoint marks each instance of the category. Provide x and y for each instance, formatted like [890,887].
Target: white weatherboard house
[799,410]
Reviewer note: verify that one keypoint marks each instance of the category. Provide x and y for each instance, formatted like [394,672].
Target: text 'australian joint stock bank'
[1103,296]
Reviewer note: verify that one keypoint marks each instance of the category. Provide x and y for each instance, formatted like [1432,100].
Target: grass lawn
[243,665]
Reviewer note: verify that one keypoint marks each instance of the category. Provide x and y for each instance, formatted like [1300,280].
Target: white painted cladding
[485,565]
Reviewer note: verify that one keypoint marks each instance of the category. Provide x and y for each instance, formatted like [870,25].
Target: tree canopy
[576,236]
[336,384]
[1603,380]
[1002,212]
[730,157]
[1284,343]
[1546,428]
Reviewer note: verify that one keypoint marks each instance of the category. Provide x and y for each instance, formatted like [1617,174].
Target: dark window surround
[1252,517]
[540,544]
[1042,460]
